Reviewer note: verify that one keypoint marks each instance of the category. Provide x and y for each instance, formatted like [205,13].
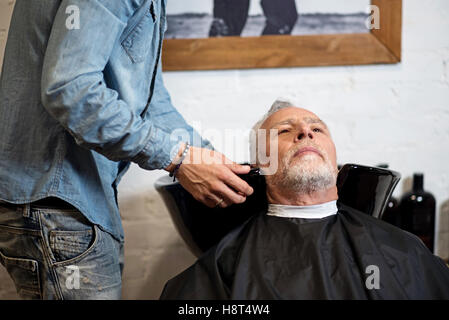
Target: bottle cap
[418,181]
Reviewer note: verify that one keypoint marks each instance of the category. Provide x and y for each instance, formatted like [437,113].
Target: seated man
[307,245]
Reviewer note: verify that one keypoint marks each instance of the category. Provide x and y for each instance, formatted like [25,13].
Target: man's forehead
[291,115]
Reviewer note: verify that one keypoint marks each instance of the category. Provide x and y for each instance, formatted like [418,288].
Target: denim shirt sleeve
[73,89]
[170,125]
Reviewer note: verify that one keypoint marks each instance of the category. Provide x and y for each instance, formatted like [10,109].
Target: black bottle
[417,212]
[391,213]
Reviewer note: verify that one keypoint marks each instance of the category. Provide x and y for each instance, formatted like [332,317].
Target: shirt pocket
[139,41]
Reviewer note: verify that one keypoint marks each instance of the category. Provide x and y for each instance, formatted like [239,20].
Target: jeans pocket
[95,274]
[66,245]
[139,41]
[25,274]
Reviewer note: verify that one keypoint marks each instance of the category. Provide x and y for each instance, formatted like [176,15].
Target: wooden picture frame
[381,45]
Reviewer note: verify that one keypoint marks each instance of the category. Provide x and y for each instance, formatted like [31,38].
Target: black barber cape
[349,255]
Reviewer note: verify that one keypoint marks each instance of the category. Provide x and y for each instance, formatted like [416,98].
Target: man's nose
[304,133]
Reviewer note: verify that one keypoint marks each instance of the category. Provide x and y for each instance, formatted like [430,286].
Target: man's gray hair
[253,143]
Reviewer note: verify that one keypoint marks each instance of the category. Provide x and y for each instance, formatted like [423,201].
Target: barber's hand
[215,181]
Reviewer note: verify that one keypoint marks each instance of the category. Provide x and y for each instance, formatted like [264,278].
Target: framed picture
[241,34]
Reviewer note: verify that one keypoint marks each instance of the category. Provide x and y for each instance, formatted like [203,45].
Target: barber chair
[364,188]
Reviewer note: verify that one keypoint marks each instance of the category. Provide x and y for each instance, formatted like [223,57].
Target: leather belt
[50,202]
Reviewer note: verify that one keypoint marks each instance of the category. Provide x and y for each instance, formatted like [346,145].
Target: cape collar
[317,211]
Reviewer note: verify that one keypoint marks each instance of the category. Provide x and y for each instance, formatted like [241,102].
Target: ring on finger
[219,202]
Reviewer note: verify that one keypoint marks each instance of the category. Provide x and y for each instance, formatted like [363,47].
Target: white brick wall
[381,113]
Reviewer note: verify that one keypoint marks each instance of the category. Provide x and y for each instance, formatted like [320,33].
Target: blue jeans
[54,252]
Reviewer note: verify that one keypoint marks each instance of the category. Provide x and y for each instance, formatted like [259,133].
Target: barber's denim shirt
[78,105]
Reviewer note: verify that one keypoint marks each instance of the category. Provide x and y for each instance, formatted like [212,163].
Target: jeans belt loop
[26,210]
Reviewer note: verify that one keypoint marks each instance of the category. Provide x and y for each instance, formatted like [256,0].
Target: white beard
[307,174]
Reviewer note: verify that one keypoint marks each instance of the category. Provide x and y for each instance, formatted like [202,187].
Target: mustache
[291,153]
